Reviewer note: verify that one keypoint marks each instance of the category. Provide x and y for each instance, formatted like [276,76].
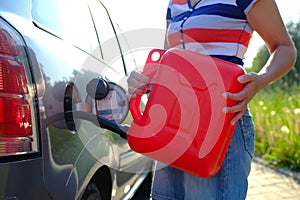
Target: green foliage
[260,59]
[276,114]
[65,146]
[294,31]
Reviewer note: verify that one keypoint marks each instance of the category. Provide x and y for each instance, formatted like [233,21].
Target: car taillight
[16,125]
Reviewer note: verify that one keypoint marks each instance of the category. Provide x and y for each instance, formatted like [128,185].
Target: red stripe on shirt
[179,2]
[211,35]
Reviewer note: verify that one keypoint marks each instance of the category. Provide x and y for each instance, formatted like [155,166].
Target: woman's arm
[265,19]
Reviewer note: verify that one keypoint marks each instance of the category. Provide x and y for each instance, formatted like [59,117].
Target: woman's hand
[252,84]
[137,83]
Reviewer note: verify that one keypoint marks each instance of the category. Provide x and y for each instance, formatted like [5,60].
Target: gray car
[62,104]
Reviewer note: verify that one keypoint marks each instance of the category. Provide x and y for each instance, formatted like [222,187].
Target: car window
[108,42]
[67,19]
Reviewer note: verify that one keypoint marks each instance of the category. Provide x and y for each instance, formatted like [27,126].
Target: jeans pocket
[247,128]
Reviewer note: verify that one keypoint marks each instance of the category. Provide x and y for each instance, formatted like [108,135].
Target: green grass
[276,114]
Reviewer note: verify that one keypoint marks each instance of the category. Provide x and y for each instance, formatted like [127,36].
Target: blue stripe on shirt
[243,4]
[223,10]
[232,59]
[169,16]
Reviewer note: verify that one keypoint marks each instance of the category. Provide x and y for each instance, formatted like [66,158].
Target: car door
[66,48]
[111,46]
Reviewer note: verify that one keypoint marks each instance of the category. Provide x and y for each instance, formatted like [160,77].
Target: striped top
[218,28]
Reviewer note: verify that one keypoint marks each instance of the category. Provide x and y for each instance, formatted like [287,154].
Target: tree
[294,31]
[260,59]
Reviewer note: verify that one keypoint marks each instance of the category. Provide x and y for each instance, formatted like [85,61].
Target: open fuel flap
[106,106]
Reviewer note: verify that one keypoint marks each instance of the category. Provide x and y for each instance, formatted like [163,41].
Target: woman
[222,29]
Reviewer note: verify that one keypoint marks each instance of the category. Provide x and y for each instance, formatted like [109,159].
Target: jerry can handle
[149,70]
[134,106]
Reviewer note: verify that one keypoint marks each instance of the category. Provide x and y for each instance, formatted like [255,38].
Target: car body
[50,51]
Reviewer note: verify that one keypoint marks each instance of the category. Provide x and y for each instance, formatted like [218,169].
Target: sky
[151,14]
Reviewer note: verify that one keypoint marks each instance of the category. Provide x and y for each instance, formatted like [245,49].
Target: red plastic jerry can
[183,124]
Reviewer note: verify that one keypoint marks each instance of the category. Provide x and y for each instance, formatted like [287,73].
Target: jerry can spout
[119,129]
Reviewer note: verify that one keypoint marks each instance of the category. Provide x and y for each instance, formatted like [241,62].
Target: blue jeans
[230,183]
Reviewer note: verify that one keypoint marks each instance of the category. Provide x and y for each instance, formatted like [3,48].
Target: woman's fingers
[137,78]
[243,97]
[247,78]
[137,83]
